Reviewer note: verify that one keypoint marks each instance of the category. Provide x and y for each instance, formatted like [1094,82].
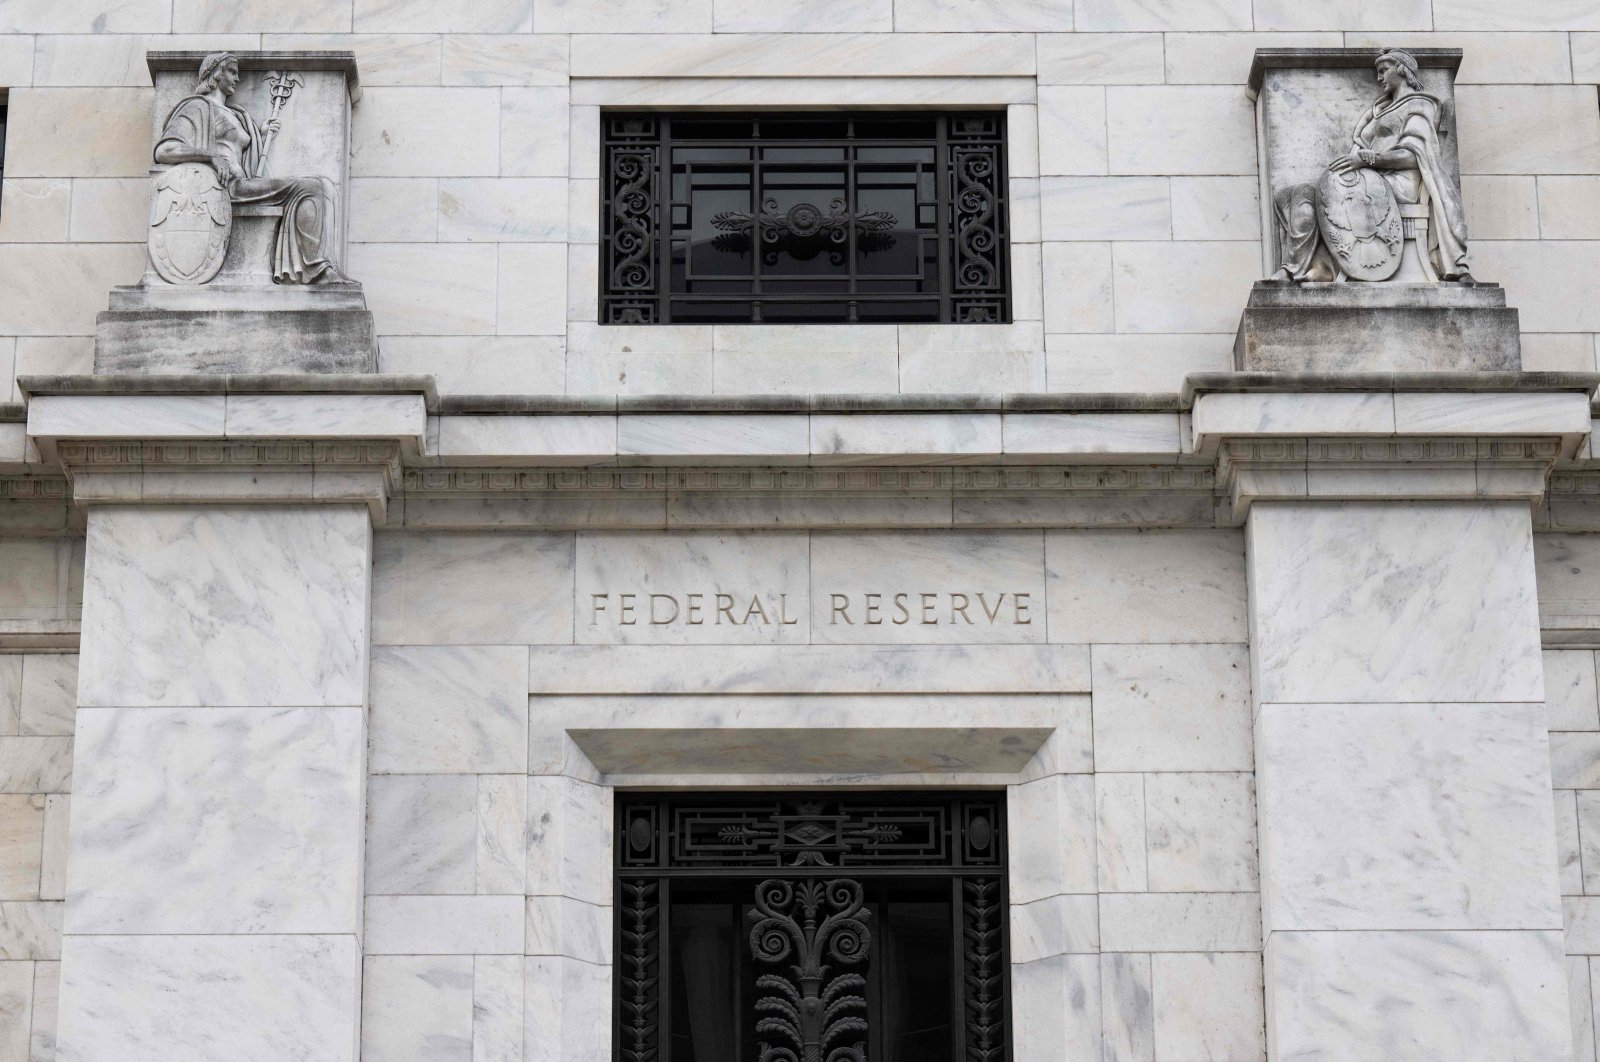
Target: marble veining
[1409,601]
[422,834]
[266,998]
[216,820]
[446,709]
[1396,816]
[1420,994]
[246,605]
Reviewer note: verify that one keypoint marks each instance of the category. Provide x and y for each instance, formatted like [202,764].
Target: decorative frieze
[1065,478]
[1389,467]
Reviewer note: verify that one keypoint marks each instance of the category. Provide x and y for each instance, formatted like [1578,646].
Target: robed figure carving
[1393,188]
[218,157]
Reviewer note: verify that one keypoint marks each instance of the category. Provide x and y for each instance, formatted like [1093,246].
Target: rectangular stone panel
[694,588]
[1397,816]
[135,998]
[1146,586]
[1419,995]
[449,709]
[1444,610]
[1172,708]
[466,588]
[247,606]
[217,820]
[938,587]
[809,669]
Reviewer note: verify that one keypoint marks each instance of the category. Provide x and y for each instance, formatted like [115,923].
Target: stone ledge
[238,383]
[1196,384]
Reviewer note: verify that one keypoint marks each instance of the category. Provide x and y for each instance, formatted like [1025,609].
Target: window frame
[636,234]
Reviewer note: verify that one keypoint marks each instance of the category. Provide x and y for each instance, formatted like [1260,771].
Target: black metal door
[777,929]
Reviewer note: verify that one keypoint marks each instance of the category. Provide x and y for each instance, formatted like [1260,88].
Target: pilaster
[1410,902]
[214,900]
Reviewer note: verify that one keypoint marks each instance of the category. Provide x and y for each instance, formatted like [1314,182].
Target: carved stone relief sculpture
[218,157]
[1390,209]
[1364,238]
[245,271]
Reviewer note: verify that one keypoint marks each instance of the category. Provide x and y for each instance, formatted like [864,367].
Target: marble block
[255,606]
[1406,816]
[1376,602]
[262,998]
[217,820]
[415,1007]
[232,340]
[1435,995]
[1354,327]
[566,1010]
[449,709]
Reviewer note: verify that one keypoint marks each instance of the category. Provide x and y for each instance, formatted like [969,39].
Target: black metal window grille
[795,928]
[783,217]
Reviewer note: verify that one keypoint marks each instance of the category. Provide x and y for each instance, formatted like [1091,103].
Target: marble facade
[316,689]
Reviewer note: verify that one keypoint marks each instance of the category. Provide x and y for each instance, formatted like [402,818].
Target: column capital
[1382,444]
[277,442]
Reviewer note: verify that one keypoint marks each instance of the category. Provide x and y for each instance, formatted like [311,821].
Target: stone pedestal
[1353,327]
[236,328]
[1409,893]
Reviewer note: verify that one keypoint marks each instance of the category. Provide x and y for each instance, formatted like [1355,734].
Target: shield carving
[190,219]
[1360,222]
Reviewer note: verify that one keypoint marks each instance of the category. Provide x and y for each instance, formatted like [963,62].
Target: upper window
[874,217]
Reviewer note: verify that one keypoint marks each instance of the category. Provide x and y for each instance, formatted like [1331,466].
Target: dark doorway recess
[811,928]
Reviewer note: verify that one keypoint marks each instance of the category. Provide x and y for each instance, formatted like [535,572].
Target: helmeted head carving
[218,70]
[1398,63]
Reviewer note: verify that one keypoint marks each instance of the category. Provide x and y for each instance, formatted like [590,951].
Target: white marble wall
[1409,884]
[1573,717]
[474,187]
[213,897]
[37,705]
[1135,903]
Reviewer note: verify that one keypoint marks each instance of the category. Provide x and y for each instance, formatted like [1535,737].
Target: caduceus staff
[281,83]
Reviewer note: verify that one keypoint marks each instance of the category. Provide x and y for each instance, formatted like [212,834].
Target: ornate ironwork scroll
[639,972]
[977,203]
[806,924]
[719,218]
[799,925]
[983,970]
[630,246]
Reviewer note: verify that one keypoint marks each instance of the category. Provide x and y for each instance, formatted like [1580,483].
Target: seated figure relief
[218,158]
[1392,189]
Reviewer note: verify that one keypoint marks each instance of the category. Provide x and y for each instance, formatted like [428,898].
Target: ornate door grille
[781,217]
[788,928]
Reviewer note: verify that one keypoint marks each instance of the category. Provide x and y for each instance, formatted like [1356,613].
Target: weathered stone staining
[1359,196]
[244,267]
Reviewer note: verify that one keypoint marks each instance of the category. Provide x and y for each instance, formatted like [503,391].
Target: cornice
[265,471]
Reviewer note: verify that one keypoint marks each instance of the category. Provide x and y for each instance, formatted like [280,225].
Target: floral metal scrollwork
[983,973]
[809,922]
[640,972]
